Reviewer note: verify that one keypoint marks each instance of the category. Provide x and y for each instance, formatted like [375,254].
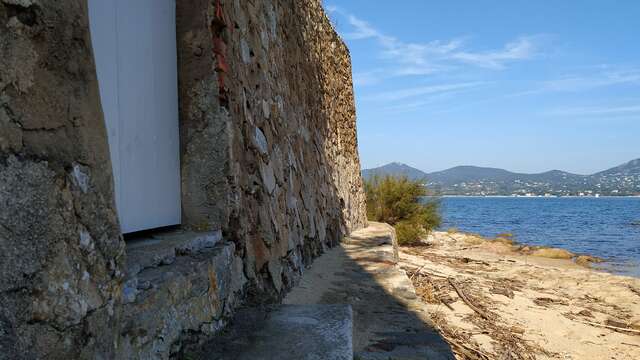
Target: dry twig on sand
[614,328]
[634,290]
[421,271]
[417,272]
[428,291]
[458,290]
[509,343]
[466,350]
[466,300]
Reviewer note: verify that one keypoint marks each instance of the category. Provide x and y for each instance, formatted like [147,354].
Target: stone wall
[294,166]
[268,133]
[268,154]
[61,253]
[204,123]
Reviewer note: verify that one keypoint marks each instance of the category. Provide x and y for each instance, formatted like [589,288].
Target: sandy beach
[491,300]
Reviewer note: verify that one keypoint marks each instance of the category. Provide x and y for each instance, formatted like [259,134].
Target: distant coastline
[619,181]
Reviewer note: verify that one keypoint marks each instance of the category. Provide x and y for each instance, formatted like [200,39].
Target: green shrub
[400,202]
[409,232]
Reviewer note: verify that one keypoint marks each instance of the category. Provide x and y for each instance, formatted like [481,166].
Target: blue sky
[528,86]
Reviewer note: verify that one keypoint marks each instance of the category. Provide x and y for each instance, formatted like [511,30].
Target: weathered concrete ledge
[284,332]
[163,248]
[363,272]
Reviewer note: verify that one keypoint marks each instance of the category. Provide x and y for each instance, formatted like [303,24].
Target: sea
[607,227]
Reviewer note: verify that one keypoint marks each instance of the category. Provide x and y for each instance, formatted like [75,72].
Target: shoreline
[542,196]
[531,306]
[586,260]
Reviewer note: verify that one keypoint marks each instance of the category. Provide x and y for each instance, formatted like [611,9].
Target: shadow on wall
[360,272]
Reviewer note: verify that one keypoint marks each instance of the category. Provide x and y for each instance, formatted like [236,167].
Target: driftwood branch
[446,304]
[466,350]
[458,290]
[634,290]
[466,300]
[624,343]
[614,328]
[420,271]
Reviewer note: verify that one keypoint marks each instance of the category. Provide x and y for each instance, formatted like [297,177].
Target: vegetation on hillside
[623,180]
[401,202]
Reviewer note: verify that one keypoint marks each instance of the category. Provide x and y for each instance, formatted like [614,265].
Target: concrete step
[176,283]
[285,332]
[162,248]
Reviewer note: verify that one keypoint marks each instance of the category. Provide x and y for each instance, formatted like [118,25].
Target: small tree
[400,202]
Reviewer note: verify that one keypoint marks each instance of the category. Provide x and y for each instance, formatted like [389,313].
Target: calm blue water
[596,226]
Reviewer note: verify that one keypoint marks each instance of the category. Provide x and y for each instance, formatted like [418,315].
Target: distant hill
[395,169]
[465,173]
[474,180]
[628,169]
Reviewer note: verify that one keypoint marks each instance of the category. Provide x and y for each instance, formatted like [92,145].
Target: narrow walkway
[387,315]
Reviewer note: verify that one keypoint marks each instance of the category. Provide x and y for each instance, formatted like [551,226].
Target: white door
[134,44]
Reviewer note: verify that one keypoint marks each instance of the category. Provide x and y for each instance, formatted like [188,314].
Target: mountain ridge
[623,179]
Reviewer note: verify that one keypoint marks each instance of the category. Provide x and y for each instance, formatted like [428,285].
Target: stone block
[189,295]
[162,248]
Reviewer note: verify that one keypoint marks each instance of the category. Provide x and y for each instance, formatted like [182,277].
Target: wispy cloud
[420,103]
[598,77]
[607,77]
[362,29]
[403,94]
[520,49]
[598,111]
[435,56]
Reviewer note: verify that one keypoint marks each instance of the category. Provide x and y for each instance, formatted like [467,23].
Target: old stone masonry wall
[294,163]
[268,160]
[61,253]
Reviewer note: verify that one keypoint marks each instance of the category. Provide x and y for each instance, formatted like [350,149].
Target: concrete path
[389,322]
[284,332]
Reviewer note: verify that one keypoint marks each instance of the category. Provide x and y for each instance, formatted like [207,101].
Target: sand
[528,307]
